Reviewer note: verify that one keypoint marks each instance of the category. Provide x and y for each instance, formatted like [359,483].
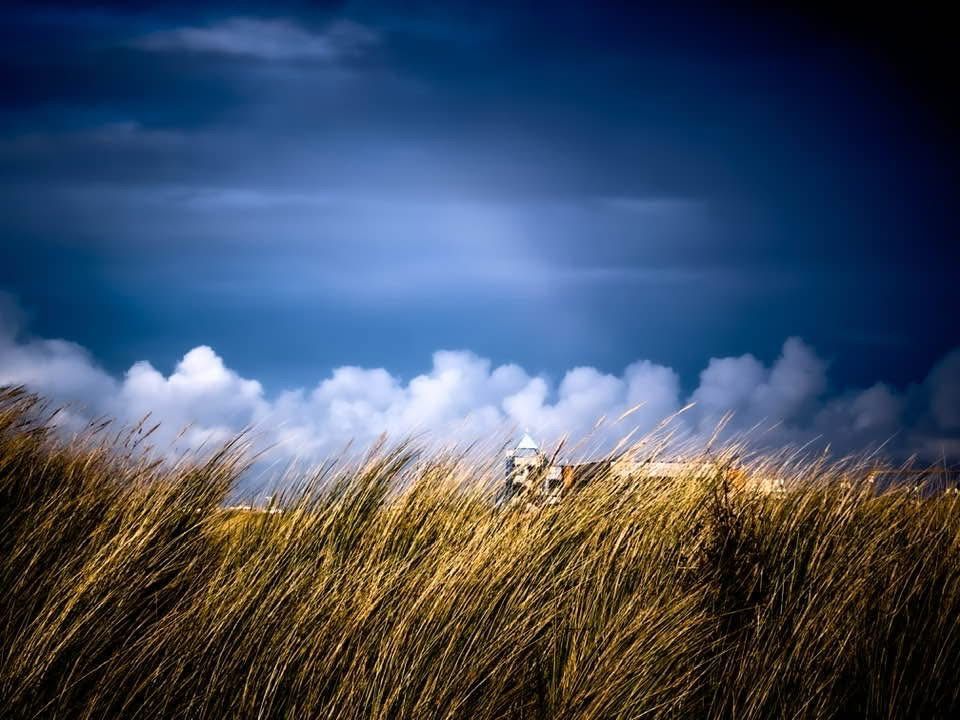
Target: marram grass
[396,588]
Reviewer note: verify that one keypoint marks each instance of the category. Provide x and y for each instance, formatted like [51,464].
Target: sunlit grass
[396,588]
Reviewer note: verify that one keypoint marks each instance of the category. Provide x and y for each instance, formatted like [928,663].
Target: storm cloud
[554,189]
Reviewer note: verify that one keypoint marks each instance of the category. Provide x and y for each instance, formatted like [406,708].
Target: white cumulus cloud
[463,397]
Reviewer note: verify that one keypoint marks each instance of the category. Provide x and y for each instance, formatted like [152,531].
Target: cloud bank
[463,397]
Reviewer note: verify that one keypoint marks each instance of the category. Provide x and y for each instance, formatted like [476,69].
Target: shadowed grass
[396,588]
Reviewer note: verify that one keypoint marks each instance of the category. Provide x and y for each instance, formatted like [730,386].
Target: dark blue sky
[304,186]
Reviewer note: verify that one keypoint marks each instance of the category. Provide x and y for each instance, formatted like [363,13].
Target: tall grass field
[396,587]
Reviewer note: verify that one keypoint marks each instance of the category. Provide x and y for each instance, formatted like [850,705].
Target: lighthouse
[528,474]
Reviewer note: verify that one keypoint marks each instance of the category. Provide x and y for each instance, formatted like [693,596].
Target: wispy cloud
[265,39]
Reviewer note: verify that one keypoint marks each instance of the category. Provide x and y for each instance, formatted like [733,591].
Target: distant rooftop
[527,443]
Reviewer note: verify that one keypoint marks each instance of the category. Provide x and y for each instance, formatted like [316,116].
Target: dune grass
[396,588]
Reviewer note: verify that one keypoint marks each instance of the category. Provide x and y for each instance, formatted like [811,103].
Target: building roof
[527,443]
